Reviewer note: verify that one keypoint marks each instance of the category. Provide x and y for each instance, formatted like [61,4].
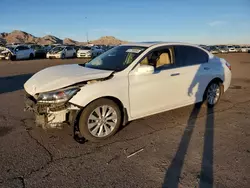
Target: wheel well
[121,107]
[213,80]
[216,80]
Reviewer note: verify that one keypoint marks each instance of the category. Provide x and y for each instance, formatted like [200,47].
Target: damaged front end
[7,54]
[52,109]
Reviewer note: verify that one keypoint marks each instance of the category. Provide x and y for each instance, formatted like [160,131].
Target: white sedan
[89,52]
[126,83]
[231,49]
[245,49]
[61,52]
[17,52]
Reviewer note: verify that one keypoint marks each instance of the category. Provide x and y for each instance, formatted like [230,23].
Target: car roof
[156,43]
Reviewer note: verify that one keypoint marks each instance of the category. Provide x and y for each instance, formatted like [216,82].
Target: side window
[25,47]
[17,48]
[20,48]
[188,55]
[161,58]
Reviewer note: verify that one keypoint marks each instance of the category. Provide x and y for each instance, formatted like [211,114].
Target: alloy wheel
[102,121]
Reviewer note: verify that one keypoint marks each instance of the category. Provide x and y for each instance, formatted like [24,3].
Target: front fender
[115,87]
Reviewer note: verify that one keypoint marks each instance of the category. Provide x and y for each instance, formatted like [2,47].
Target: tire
[207,100]
[10,57]
[86,123]
[63,56]
[31,56]
[74,55]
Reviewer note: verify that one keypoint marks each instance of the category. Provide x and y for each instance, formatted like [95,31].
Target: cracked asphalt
[185,147]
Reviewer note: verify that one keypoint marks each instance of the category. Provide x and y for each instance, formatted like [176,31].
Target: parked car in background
[39,50]
[223,49]
[126,83]
[204,47]
[245,49]
[16,52]
[89,52]
[77,48]
[231,48]
[84,51]
[61,52]
[48,47]
[214,50]
[237,48]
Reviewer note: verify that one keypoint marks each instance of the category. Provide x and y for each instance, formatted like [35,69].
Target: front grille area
[42,108]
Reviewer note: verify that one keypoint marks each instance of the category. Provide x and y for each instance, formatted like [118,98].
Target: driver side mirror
[145,70]
[16,49]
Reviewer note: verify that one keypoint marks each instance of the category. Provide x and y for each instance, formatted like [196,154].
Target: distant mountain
[69,41]
[49,39]
[17,36]
[108,40]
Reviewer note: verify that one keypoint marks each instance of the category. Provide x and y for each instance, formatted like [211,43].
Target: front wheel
[213,93]
[63,56]
[31,56]
[100,120]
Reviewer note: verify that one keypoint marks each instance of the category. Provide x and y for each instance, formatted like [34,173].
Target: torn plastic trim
[81,84]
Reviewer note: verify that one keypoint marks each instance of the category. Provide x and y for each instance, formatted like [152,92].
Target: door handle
[206,68]
[175,74]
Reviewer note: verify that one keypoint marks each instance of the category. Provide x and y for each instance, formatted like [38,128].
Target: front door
[19,52]
[160,91]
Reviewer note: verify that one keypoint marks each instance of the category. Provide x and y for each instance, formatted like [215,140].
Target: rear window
[188,55]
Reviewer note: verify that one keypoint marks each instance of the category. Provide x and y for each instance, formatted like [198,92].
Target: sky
[194,21]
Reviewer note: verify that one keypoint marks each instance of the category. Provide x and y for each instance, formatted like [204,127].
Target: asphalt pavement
[186,147]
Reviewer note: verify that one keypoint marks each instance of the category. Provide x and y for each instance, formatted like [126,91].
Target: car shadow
[13,83]
[174,171]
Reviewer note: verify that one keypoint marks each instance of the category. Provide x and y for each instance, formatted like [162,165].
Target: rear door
[195,69]
[69,52]
[26,52]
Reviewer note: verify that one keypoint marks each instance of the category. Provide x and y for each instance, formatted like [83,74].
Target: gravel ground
[185,147]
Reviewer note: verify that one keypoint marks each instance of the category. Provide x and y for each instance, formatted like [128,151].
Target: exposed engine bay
[52,115]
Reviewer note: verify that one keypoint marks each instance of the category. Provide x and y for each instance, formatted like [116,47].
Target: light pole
[87,36]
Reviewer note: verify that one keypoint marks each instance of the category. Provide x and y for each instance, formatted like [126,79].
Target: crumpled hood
[5,50]
[60,76]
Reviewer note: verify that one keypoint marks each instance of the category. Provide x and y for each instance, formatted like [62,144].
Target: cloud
[216,23]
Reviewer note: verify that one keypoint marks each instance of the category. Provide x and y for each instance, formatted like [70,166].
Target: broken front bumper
[51,115]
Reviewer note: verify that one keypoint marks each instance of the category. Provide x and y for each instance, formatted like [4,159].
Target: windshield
[10,48]
[85,48]
[36,47]
[57,49]
[116,59]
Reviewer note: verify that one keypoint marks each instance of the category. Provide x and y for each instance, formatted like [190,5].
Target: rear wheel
[213,93]
[100,120]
